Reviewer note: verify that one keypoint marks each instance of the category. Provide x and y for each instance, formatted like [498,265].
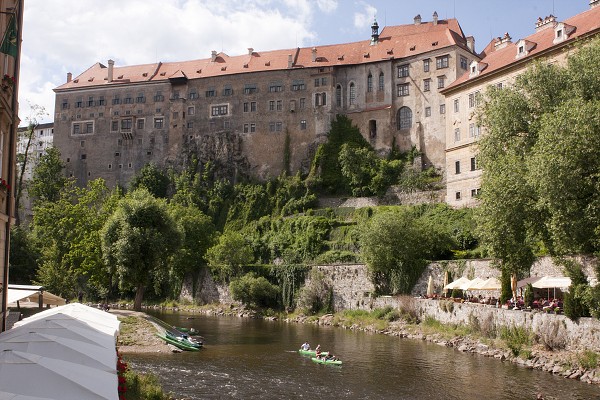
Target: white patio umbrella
[457,283]
[100,320]
[490,284]
[552,282]
[472,285]
[36,376]
[51,346]
[69,328]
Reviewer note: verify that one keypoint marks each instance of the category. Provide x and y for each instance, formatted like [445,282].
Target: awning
[526,281]
[15,295]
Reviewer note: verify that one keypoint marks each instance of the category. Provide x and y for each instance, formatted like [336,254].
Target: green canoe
[177,343]
[311,352]
[330,362]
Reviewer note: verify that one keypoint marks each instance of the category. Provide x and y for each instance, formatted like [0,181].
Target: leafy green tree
[139,238]
[67,233]
[394,246]
[48,179]
[198,235]
[326,170]
[155,180]
[228,256]
[27,136]
[24,256]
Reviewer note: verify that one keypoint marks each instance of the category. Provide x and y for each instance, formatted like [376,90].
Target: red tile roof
[585,23]
[394,42]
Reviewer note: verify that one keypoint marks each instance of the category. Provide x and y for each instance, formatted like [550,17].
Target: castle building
[11,20]
[250,113]
[502,61]
[42,138]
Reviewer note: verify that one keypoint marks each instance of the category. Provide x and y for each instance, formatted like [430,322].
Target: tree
[26,136]
[197,236]
[48,179]
[153,179]
[23,256]
[254,290]
[139,238]
[228,256]
[67,234]
[394,246]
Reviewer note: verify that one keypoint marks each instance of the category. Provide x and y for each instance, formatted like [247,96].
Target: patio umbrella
[36,376]
[457,283]
[513,285]
[552,282]
[490,284]
[472,285]
[430,286]
[51,346]
[446,273]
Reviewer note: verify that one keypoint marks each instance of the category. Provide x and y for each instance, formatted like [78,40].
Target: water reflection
[245,358]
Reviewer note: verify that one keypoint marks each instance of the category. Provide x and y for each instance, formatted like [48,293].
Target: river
[253,358]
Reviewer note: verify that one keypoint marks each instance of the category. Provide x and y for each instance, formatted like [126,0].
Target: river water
[257,359]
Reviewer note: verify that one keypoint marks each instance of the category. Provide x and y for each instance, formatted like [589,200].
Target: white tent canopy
[51,346]
[69,327]
[99,320]
[36,376]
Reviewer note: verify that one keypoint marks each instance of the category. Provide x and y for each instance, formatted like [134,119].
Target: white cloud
[327,6]
[364,19]
[61,36]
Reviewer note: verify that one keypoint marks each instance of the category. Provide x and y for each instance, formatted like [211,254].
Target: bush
[254,291]
[457,293]
[528,298]
[516,338]
[588,359]
[316,296]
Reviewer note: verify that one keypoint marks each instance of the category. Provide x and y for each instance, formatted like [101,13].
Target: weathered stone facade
[249,113]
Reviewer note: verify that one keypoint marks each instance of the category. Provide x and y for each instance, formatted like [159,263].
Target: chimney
[111,64]
[290,61]
[418,19]
[213,55]
[502,42]
[69,77]
[314,54]
[547,22]
[435,17]
[471,43]
[594,3]
[250,51]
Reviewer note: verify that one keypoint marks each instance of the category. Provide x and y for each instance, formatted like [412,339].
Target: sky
[61,36]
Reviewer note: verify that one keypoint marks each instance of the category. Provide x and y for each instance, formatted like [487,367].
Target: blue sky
[63,36]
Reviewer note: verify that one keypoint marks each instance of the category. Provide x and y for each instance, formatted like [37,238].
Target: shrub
[588,359]
[254,291]
[516,338]
[457,293]
[316,296]
[528,297]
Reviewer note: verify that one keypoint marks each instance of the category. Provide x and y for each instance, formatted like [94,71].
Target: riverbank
[582,366]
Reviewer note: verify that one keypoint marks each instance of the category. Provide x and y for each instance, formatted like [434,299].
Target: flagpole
[11,158]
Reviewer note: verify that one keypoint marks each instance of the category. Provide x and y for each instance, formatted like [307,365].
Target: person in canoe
[305,346]
[318,350]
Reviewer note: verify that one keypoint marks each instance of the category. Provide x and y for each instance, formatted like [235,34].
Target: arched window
[352,94]
[370,83]
[338,95]
[381,81]
[404,118]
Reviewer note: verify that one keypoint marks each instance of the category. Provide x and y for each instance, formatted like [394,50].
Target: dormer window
[562,32]
[524,47]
